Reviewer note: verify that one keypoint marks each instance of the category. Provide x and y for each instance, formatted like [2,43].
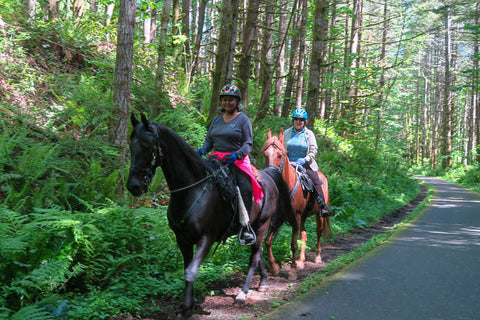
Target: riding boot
[324,210]
[247,235]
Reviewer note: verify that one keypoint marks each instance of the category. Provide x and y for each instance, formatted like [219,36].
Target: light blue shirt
[297,146]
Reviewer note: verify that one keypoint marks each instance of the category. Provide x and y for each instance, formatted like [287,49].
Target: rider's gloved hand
[232,158]
[301,161]
[201,151]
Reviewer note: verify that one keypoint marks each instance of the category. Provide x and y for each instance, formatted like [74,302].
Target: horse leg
[263,274]
[303,236]
[318,250]
[274,267]
[191,271]
[254,258]
[292,274]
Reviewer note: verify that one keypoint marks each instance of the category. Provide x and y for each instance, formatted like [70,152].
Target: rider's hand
[201,151]
[232,158]
[301,161]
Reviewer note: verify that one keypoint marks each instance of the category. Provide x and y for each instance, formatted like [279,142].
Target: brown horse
[303,203]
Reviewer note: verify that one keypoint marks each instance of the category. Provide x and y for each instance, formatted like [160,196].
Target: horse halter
[279,169]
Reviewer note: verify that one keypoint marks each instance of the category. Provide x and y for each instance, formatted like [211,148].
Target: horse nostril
[134,187]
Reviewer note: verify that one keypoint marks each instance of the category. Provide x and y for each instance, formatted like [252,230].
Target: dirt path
[222,307]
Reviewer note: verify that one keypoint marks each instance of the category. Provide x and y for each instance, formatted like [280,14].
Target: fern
[32,312]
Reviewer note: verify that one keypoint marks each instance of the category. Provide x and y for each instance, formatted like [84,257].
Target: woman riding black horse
[199,213]
[230,137]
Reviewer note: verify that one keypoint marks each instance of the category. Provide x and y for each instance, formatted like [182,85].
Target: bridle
[157,160]
[280,168]
[294,189]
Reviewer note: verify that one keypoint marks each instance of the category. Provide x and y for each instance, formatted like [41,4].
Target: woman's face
[229,103]
[299,123]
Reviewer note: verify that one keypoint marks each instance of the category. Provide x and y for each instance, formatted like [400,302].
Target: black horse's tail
[284,207]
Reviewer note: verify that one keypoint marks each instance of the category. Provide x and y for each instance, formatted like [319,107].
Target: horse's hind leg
[303,236]
[318,250]
[292,274]
[263,275]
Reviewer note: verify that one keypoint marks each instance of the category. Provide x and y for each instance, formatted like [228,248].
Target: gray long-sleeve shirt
[233,136]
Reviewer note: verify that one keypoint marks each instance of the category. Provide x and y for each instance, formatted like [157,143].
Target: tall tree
[446,147]
[279,66]
[198,38]
[265,79]
[295,42]
[248,41]
[123,74]
[316,60]
[162,44]
[222,55]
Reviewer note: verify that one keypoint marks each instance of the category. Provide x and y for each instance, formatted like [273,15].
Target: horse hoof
[262,288]
[292,275]
[300,265]
[318,260]
[275,269]
[241,298]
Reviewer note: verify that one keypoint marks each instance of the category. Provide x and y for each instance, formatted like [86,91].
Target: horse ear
[134,120]
[280,136]
[145,121]
[269,134]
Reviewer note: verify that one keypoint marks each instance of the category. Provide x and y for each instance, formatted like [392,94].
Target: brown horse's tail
[326,228]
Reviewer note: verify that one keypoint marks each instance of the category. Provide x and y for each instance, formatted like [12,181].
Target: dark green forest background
[391,87]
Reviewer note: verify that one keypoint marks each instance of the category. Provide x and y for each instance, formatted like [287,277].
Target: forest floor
[221,306]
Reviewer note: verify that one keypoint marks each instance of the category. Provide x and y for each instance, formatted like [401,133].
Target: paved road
[430,270]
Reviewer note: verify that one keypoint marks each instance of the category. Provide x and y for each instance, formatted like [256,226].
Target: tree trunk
[301,56]
[476,93]
[233,42]
[109,13]
[265,80]
[381,84]
[316,60]
[31,8]
[53,9]
[446,148]
[162,44]
[293,59]
[280,60]
[198,38]
[123,74]
[222,54]
[249,41]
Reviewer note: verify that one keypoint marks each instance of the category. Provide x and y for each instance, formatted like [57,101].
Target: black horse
[198,212]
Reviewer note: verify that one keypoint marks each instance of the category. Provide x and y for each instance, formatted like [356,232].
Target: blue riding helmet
[300,113]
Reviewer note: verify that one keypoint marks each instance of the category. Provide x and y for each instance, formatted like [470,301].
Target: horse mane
[174,139]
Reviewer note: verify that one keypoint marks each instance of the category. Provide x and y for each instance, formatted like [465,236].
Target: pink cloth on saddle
[245,166]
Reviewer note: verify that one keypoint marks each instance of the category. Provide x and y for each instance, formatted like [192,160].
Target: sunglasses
[298,119]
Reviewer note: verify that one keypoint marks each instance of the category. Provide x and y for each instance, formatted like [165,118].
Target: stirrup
[250,231]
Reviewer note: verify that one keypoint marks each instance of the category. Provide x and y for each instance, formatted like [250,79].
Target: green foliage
[466,176]
[40,173]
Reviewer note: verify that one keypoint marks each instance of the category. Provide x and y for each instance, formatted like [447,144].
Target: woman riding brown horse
[304,203]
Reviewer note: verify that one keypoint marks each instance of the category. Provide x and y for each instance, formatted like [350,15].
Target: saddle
[305,181]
